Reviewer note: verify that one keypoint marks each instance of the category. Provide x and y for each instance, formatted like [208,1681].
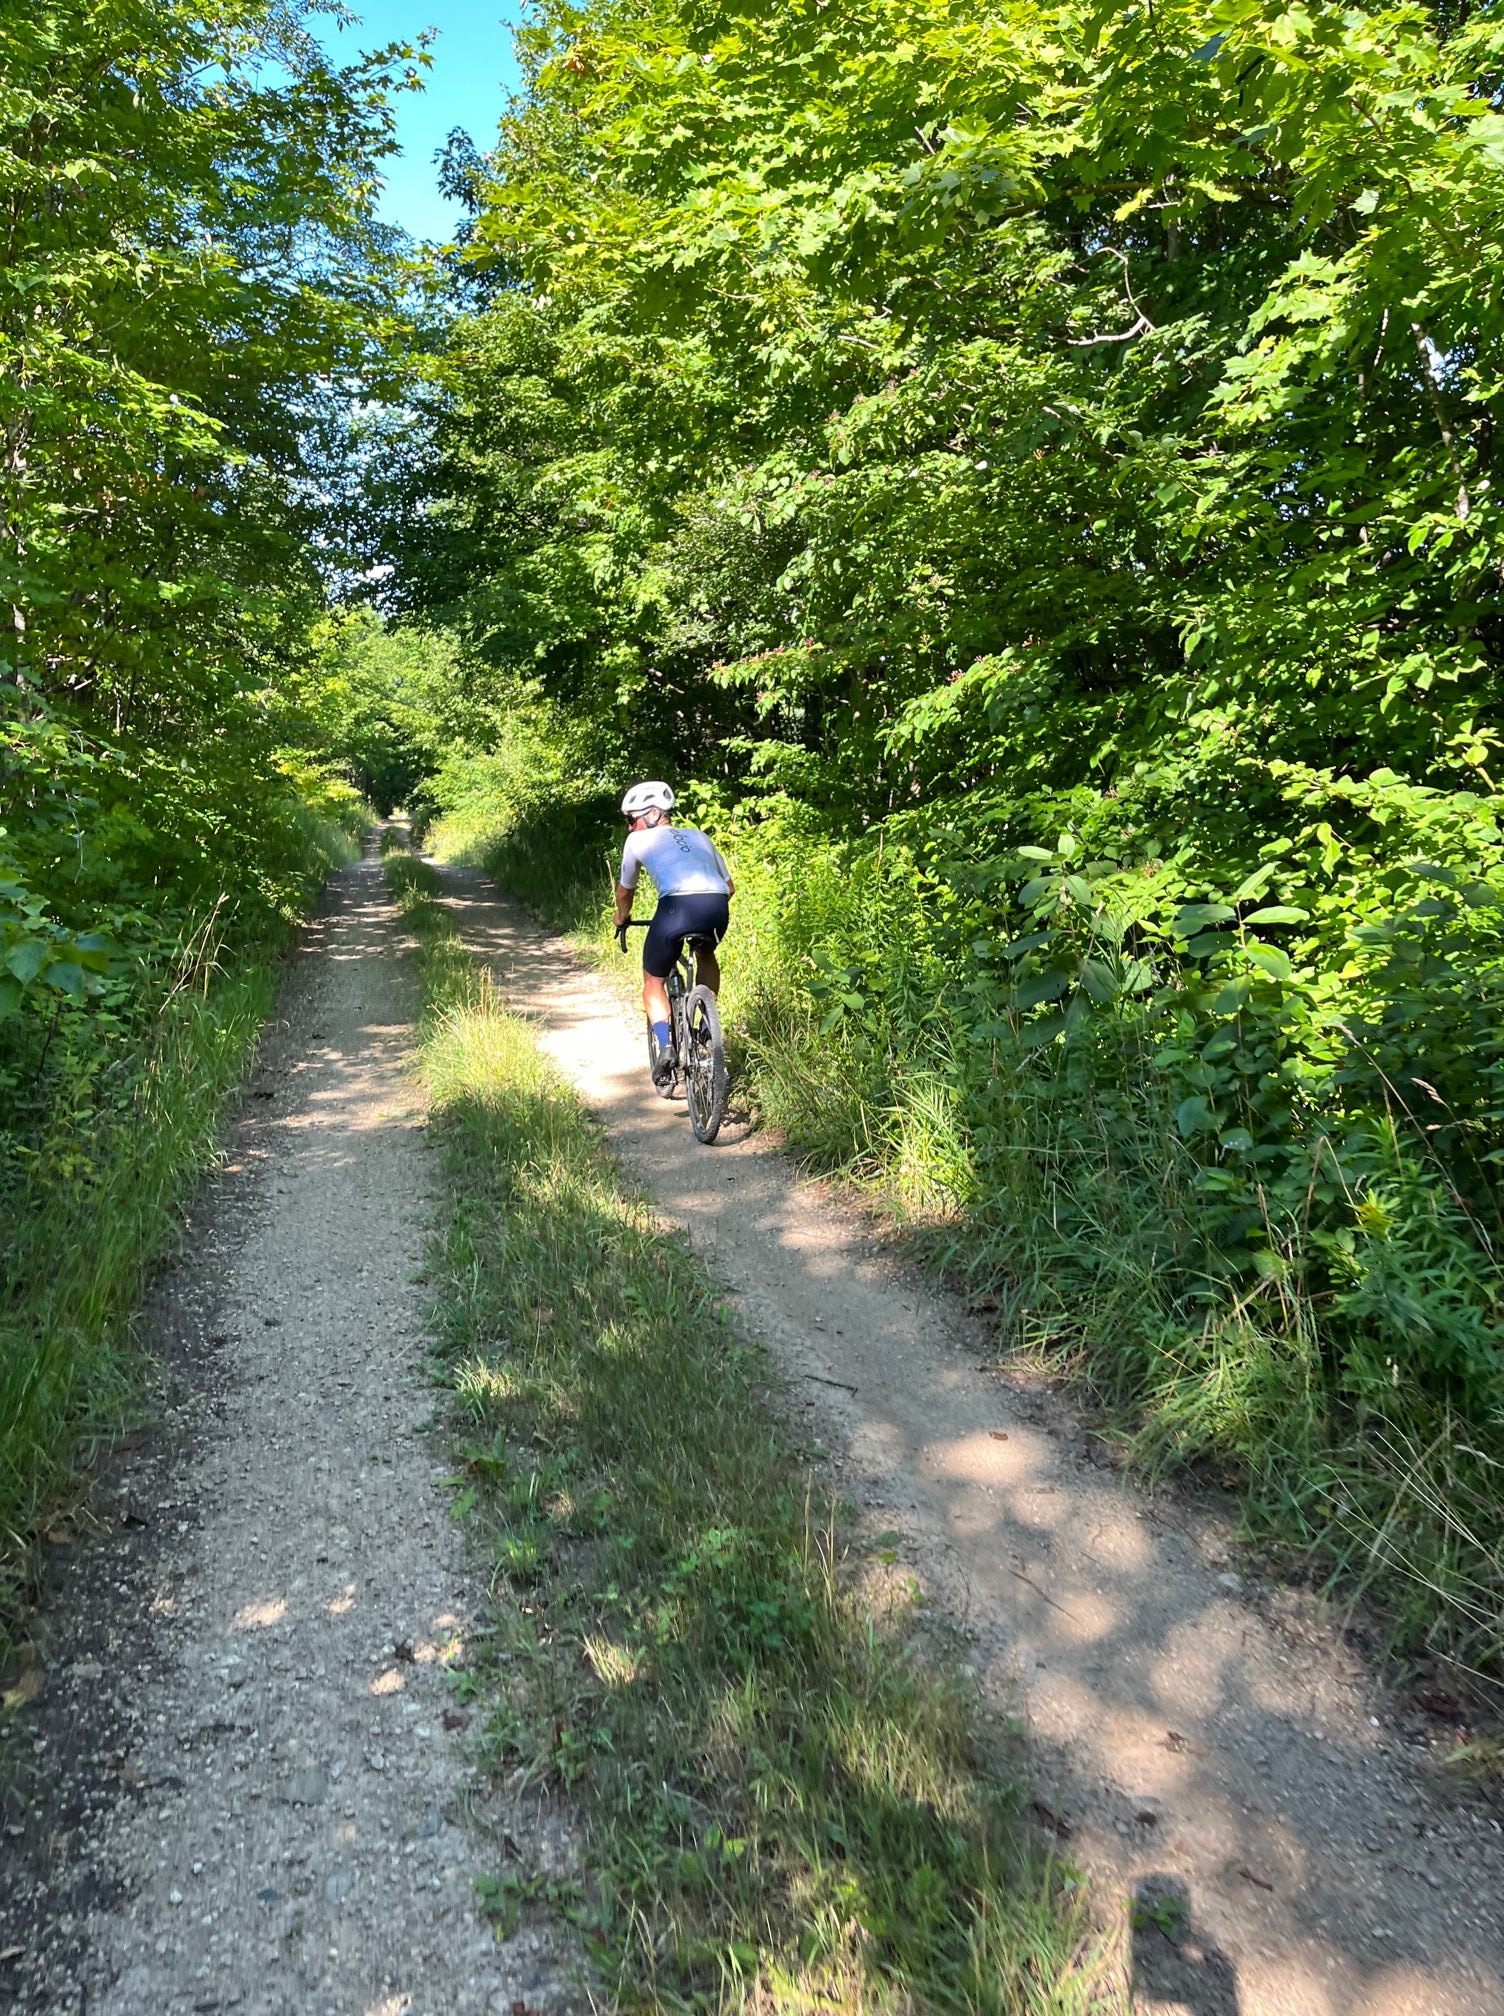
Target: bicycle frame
[698,1057]
[683,978]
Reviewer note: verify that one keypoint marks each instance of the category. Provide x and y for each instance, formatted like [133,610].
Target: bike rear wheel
[704,1065]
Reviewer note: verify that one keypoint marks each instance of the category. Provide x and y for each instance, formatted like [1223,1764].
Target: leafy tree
[388,705]
[194,298]
[192,292]
[1146,357]
[1080,419]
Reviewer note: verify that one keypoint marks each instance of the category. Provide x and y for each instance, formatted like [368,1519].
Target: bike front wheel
[704,1065]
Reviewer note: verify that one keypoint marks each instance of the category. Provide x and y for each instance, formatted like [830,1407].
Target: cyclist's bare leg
[655,999]
[708,970]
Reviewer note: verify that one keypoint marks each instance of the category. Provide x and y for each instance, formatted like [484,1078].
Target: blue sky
[473,71]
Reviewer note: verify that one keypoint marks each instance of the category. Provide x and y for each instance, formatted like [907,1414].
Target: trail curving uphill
[248,1788]
[1212,1755]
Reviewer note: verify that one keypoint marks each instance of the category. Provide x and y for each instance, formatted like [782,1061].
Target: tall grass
[1350,1384]
[125,1118]
[785,1805]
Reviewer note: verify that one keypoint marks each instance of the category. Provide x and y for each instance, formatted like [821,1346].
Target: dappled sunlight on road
[1090,1619]
[1192,1676]
[260,1616]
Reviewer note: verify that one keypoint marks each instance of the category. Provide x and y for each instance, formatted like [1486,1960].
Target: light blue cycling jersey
[681,860]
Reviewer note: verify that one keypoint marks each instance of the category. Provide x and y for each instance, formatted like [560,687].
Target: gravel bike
[698,1050]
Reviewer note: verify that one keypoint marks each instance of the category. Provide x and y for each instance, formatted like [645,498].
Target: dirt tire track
[251,1794]
[1219,1760]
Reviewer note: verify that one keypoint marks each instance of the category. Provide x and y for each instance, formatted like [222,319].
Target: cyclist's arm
[626,882]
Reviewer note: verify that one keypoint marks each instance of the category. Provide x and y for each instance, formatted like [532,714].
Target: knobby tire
[704,1057]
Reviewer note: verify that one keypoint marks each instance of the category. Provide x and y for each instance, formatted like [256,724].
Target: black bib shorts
[678,918]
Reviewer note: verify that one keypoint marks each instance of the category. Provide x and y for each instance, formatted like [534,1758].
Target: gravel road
[1208,1749]
[247,1776]
[242,1784]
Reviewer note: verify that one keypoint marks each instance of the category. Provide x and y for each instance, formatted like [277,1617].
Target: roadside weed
[77,1250]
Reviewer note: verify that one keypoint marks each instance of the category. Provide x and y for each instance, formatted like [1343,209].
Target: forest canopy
[903,374]
[192,291]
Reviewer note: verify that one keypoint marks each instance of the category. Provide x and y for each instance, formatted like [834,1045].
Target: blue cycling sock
[661,1034]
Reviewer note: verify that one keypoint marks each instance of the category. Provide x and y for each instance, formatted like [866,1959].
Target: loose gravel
[243,1782]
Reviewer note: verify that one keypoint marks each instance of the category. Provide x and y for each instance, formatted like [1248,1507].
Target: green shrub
[113,1083]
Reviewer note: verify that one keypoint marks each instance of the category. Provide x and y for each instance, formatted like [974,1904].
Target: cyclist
[694,901]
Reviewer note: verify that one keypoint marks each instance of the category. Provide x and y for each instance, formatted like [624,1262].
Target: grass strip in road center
[784,1804]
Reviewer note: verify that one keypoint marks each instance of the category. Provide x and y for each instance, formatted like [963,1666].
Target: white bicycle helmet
[647,798]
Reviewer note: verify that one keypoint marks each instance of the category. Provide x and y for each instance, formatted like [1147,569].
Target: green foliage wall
[387,705]
[192,290]
[989,401]
[193,298]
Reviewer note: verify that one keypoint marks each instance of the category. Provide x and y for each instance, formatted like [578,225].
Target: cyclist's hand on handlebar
[621,936]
